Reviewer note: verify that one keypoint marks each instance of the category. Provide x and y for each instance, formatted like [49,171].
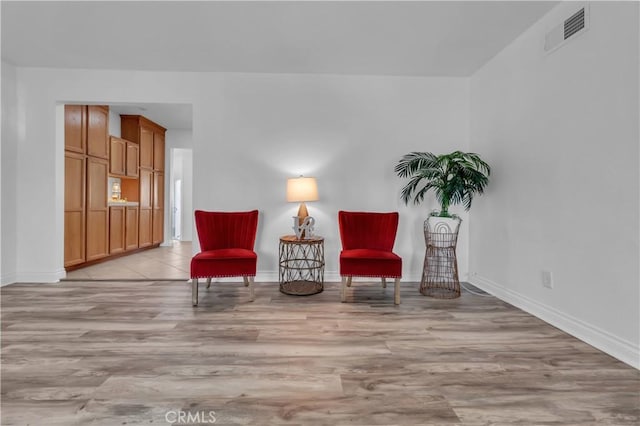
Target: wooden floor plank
[107,353]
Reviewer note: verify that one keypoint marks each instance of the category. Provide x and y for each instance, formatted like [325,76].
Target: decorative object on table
[367,244]
[304,229]
[455,178]
[301,190]
[226,248]
[301,265]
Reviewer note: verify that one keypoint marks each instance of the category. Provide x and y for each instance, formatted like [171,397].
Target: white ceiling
[338,37]
[431,38]
[170,116]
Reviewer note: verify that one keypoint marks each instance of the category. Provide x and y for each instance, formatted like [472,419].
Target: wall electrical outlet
[547,279]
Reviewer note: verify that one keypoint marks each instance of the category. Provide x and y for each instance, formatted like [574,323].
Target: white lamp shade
[302,189]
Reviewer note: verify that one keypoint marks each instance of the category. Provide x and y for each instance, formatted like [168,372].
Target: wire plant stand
[440,270]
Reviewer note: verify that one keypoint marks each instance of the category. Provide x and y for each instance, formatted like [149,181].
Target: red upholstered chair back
[221,230]
[366,230]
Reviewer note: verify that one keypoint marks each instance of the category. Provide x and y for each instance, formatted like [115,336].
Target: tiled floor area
[170,262]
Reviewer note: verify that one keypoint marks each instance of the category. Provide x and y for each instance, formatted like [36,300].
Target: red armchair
[367,244]
[226,244]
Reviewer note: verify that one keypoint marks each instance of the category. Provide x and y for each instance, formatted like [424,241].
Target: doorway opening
[180,196]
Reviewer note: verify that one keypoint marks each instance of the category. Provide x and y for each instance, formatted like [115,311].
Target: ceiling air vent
[576,24]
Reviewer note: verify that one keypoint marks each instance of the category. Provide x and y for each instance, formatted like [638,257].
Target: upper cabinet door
[146,148]
[133,159]
[158,152]
[98,131]
[75,135]
[117,159]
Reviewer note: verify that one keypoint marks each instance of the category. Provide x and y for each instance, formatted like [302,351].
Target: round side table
[301,269]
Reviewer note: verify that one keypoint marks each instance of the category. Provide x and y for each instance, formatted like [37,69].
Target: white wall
[39,170]
[114,124]
[9,155]
[251,132]
[179,138]
[347,131]
[561,132]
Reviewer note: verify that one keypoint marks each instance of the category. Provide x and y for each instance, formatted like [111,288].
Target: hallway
[162,263]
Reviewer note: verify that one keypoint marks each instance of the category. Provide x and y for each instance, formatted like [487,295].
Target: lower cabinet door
[116,229]
[158,226]
[145,228]
[97,225]
[131,228]
[74,208]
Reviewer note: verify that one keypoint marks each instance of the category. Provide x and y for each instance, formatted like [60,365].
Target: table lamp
[299,190]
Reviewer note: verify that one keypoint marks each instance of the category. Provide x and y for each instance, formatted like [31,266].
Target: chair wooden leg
[246,281]
[343,290]
[349,278]
[384,283]
[194,291]
[397,292]
[208,283]
[249,282]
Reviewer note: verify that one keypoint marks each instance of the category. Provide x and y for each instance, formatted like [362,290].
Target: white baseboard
[611,344]
[35,277]
[8,279]
[267,276]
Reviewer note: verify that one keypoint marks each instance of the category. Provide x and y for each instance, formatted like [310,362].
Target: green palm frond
[454,178]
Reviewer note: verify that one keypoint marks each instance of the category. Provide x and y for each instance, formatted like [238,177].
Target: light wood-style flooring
[123,353]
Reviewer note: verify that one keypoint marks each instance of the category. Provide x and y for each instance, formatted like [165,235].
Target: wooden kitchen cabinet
[93,229]
[123,228]
[133,160]
[145,230]
[158,226]
[158,207]
[75,128]
[149,136]
[151,141]
[131,228]
[158,191]
[146,189]
[118,156]
[158,152]
[146,148]
[97,230]
[98,131]
[74,208]
[117,224]
[123,158]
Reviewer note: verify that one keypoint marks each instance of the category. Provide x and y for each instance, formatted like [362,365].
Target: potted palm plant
[455,178]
